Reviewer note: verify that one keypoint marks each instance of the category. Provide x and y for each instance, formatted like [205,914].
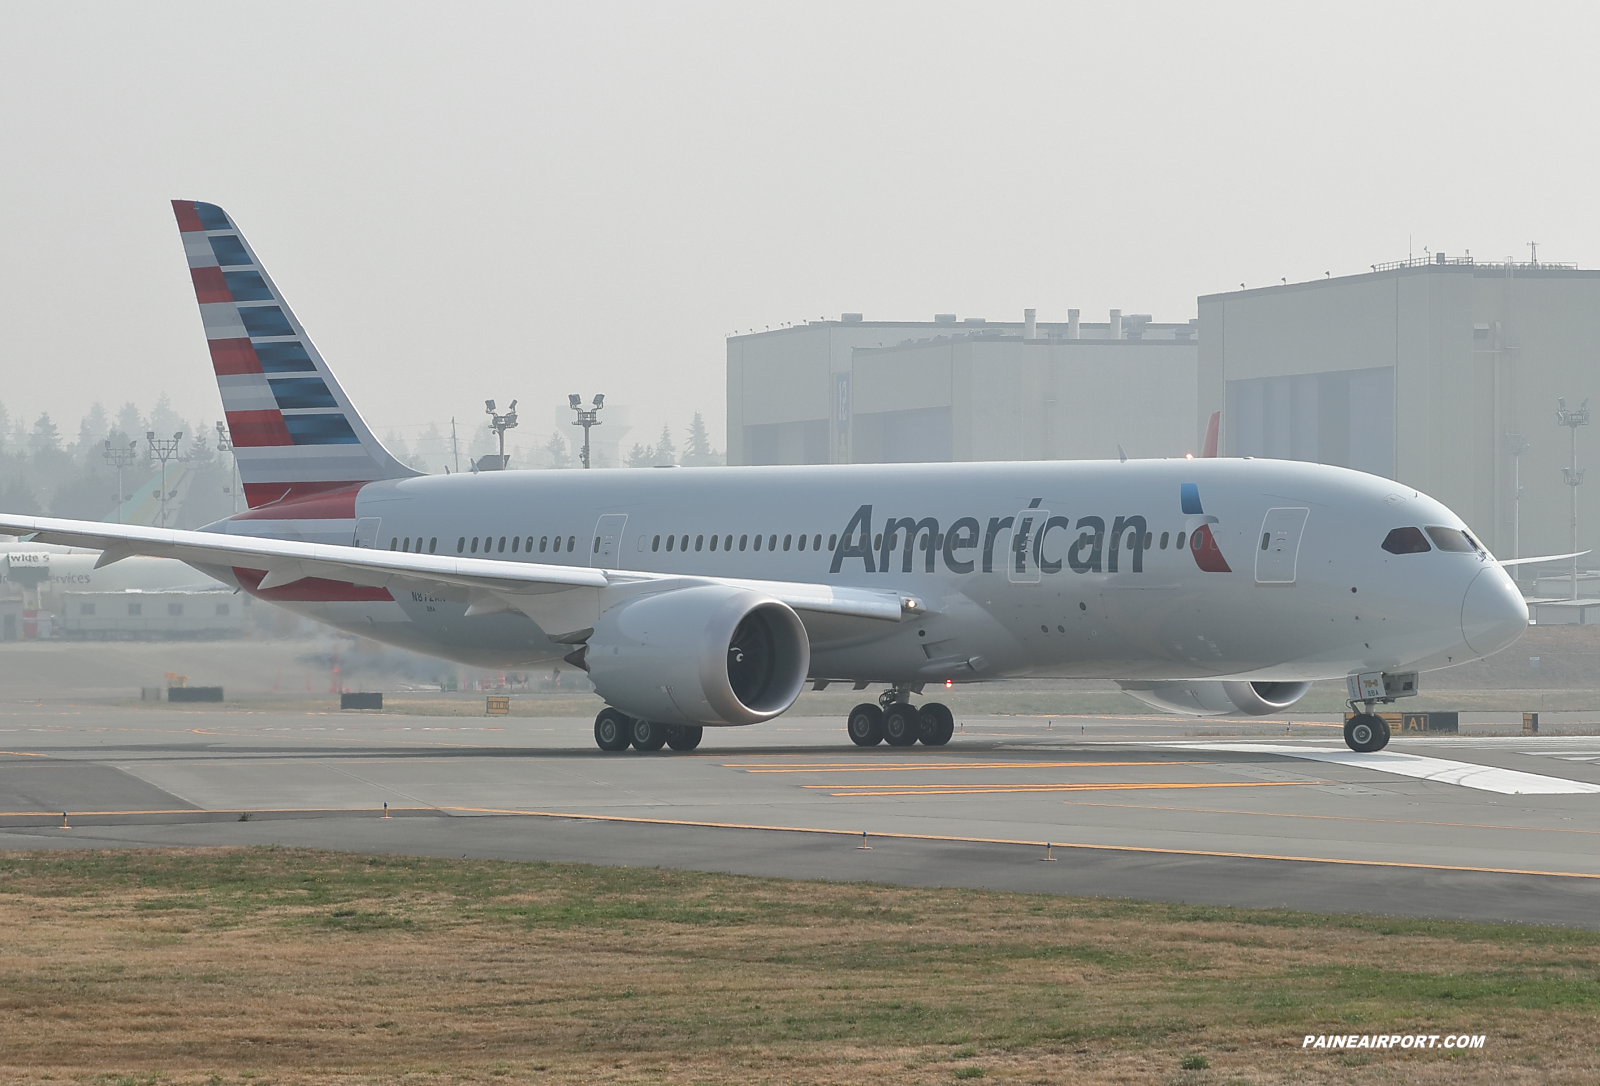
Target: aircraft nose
[1493,613]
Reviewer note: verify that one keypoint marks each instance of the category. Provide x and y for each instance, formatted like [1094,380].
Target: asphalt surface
[1227,813]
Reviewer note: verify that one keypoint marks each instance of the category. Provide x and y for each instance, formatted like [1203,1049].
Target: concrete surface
[1223,812]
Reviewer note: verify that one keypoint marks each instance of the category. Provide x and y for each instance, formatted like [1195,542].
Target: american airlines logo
[1029,540]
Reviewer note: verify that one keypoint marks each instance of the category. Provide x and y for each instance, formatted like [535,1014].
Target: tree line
[44,472]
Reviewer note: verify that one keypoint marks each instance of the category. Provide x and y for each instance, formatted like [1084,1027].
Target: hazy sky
[519,200]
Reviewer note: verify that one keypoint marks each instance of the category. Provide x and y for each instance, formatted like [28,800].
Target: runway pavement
[1254,813]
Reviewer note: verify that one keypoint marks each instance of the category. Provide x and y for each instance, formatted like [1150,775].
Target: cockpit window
[1405,541]
[1452,539]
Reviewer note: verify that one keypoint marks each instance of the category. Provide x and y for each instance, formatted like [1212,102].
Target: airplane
[709,597]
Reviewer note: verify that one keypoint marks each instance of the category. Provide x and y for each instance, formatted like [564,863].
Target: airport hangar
[885,392]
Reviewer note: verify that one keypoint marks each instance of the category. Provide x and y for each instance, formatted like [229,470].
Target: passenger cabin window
[1164,540]
[758,542]
[655,544]
[1451,539]
[699,542]
[1399,541]
[833,541]
[788,541]
[433,543]
[1178,543]
[672,542]
[727,542]
[571,541]
[516,541]
[461,544]
[743,540]
[474,544]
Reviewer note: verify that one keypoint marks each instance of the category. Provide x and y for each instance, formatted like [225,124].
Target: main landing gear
[897,722]
[615,730]
[1366,732]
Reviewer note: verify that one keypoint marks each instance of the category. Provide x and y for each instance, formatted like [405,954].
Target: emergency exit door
[607,541]
[1278,549]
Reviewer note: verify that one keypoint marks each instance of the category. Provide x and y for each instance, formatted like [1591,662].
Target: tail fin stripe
[209,286]
[320,430]
[265,321]
[250,429]
[233,356]
[283,357]
[229,251]
[188,218]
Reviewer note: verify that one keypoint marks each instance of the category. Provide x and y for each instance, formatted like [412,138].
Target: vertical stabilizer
[294,430]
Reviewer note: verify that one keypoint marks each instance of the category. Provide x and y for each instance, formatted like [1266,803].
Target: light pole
[587,417]
[119,459]
[500,424]
[1573,418]
[225,444]
[1516,444]
[163,450]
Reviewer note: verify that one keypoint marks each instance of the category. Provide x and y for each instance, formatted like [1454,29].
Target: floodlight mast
[225,444]
[587,417]
[120,458]
[1572,418]
[500,423]
[163,450]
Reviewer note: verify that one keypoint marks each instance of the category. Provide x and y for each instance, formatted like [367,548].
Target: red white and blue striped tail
[295,432]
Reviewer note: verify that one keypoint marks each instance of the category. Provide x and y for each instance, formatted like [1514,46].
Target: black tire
[902,725]
[611,729]
[938,725]
[1366,732]
[865,725]
[647,736]
[684,736]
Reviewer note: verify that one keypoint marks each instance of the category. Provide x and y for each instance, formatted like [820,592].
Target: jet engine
[711,655]
[1212,698]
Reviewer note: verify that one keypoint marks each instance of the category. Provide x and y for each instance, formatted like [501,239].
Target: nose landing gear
[896,721]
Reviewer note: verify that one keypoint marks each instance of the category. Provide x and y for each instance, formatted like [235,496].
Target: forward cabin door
[1278,551]
[603,554]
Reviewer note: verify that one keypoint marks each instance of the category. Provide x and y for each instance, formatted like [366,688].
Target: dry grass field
[286,966]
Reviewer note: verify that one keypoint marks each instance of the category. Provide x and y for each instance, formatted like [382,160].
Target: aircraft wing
[1539,558]
[564,600]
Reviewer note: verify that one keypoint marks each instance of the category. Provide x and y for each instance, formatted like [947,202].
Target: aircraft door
[1022,560]
[367,532]
[607,541]
[1278,551]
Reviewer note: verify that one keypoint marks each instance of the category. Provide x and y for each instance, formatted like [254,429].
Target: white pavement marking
[1487,778]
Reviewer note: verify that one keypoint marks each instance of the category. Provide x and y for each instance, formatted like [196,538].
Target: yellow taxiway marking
[23,754]
[1330,818]
[1010,841]
[984,789]
[902,767]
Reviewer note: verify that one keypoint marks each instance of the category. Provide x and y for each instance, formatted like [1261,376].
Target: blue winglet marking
[1191,498]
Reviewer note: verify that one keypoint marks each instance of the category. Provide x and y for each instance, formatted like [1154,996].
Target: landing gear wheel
[865,725]
[684,736]
[611,729]
[902,725]
[1366,732]
[937,725]
[647,736]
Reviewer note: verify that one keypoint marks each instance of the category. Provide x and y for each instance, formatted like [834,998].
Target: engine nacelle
[1212,698]
[711,655]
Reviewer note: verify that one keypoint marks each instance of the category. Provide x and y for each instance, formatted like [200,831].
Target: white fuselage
[1030,571]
